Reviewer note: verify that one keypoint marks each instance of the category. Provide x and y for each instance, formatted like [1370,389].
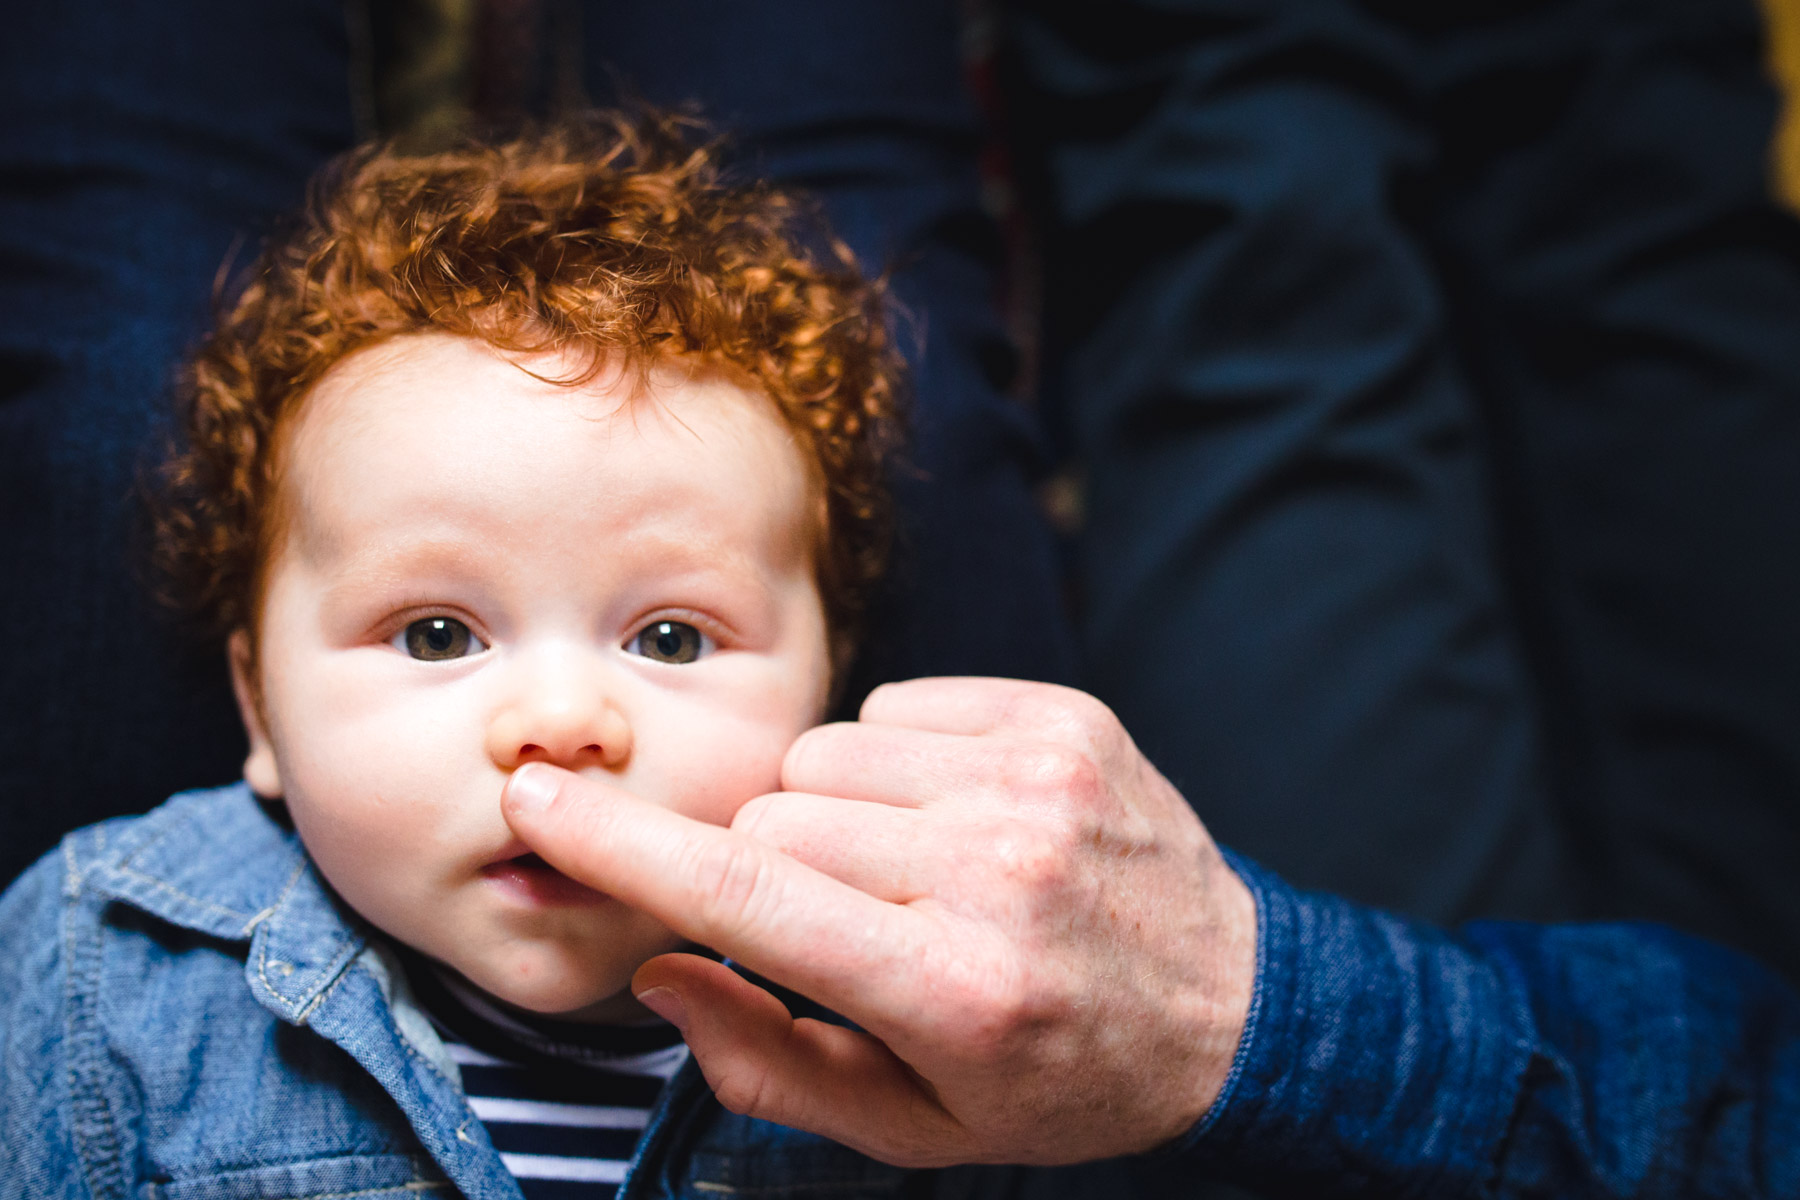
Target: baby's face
[480,569]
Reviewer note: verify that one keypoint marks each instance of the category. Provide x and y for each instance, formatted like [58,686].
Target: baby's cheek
[713,785]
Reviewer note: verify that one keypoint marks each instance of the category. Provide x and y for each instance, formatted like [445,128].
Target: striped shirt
[564,1103]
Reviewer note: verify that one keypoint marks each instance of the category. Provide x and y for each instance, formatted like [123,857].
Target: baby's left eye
[670,642]
[437,639]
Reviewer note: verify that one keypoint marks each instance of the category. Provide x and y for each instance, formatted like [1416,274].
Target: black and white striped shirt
[563,1103]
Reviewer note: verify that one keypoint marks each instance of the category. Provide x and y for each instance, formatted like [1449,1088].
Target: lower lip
[539,884]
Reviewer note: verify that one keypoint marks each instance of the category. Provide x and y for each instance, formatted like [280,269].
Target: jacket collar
[218,863]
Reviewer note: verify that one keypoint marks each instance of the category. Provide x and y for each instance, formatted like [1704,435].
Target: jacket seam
[338,969]
[92,1128]
[411,1185]
[124,867]
[393,1028]
[389,1025]
[412,1052]
[163,885]
[280,897]
[334,970]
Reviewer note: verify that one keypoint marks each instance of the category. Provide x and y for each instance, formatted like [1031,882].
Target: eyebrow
[701,557]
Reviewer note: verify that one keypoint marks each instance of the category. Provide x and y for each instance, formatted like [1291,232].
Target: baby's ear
[260,769]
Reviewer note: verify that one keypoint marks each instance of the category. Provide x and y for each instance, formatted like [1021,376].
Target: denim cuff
[1379,1056]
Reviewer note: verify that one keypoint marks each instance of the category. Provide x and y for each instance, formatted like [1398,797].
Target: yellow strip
[1784,61]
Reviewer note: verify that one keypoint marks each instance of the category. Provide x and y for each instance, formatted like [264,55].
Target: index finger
[723,889]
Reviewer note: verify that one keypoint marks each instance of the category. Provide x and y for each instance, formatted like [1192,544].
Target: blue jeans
[1437,373]
[139,145]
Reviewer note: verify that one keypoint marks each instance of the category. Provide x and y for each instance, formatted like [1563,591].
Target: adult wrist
[1378,1055]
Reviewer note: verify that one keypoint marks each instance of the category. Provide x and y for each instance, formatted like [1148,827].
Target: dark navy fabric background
[1436,371]
[138,146]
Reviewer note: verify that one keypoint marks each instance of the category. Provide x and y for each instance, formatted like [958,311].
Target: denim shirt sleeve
[1384,1057]
[37,1146]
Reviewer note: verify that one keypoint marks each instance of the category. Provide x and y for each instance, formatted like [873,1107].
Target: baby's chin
[551,986]
[563,999]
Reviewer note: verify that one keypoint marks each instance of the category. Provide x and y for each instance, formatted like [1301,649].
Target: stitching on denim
[72,873]
[452,1078]
[337,970]
[280,897]
[91,1124]
[393,1028]
[123,867]
[163,885]
[416,1185]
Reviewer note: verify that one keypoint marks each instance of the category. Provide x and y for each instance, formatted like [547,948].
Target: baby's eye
[435,639]
[670,642]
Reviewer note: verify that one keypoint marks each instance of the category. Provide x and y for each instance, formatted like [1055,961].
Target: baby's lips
[511,850]
[529,877]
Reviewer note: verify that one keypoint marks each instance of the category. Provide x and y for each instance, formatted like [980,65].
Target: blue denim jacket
[187,1012]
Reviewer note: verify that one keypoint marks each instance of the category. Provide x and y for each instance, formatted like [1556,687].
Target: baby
[562,450]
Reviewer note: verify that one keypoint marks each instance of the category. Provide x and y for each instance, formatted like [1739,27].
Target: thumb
[760,1062]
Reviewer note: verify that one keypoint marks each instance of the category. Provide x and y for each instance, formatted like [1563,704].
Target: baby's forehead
[592,385]
[438,432]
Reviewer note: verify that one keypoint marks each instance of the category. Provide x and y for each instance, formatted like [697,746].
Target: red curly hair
[614,237]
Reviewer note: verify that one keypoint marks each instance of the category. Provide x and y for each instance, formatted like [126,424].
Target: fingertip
[950,703]
[884,697]
[872,701]
[677,970]
[796,763]
[666,1003]
[532,789]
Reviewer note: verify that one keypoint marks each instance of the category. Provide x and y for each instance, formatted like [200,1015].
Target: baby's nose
[569,730]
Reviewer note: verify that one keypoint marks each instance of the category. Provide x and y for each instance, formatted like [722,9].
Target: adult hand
[1050,959]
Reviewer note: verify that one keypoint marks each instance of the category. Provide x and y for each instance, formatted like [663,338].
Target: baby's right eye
[435,639]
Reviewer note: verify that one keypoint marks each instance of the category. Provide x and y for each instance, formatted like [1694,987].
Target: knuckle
[731,882]
[754,816]
[742,1088]
[1065,711]
[776,821]
[1032,859]
[989,1002]
[1053,771]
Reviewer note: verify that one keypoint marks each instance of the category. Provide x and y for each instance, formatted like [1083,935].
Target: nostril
[532,752]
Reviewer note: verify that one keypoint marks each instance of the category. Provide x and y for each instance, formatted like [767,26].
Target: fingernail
[531,789]
[666,1003]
